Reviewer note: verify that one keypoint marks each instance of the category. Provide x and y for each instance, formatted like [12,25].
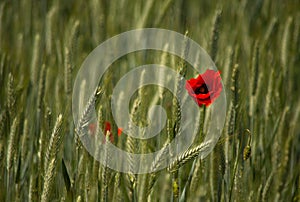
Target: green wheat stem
[236,161]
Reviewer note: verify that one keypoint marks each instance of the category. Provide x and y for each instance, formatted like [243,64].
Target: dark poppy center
[201,90]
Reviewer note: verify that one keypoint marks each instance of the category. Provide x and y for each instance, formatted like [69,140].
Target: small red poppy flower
[205,88]
[107,128]
[120,130]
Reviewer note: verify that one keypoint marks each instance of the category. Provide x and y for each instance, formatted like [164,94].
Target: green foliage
[255,45]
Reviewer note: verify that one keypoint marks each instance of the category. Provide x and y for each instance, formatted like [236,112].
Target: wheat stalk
[187,155]
[83,121]
[49,180]
[267,187]
[11,96]
[49,30]
[215,35]
[284,46]
[41,89]
[12,144]
[105,172]
[35,62]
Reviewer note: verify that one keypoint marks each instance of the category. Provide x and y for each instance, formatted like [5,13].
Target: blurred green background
[42,46]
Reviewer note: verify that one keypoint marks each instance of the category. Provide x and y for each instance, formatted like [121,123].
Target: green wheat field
[255,45]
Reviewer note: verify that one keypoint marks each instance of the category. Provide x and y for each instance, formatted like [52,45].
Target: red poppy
[120,130]
[205,88]
[107,128]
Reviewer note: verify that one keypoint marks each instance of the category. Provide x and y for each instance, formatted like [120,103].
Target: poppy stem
[202,121]
[201,138]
